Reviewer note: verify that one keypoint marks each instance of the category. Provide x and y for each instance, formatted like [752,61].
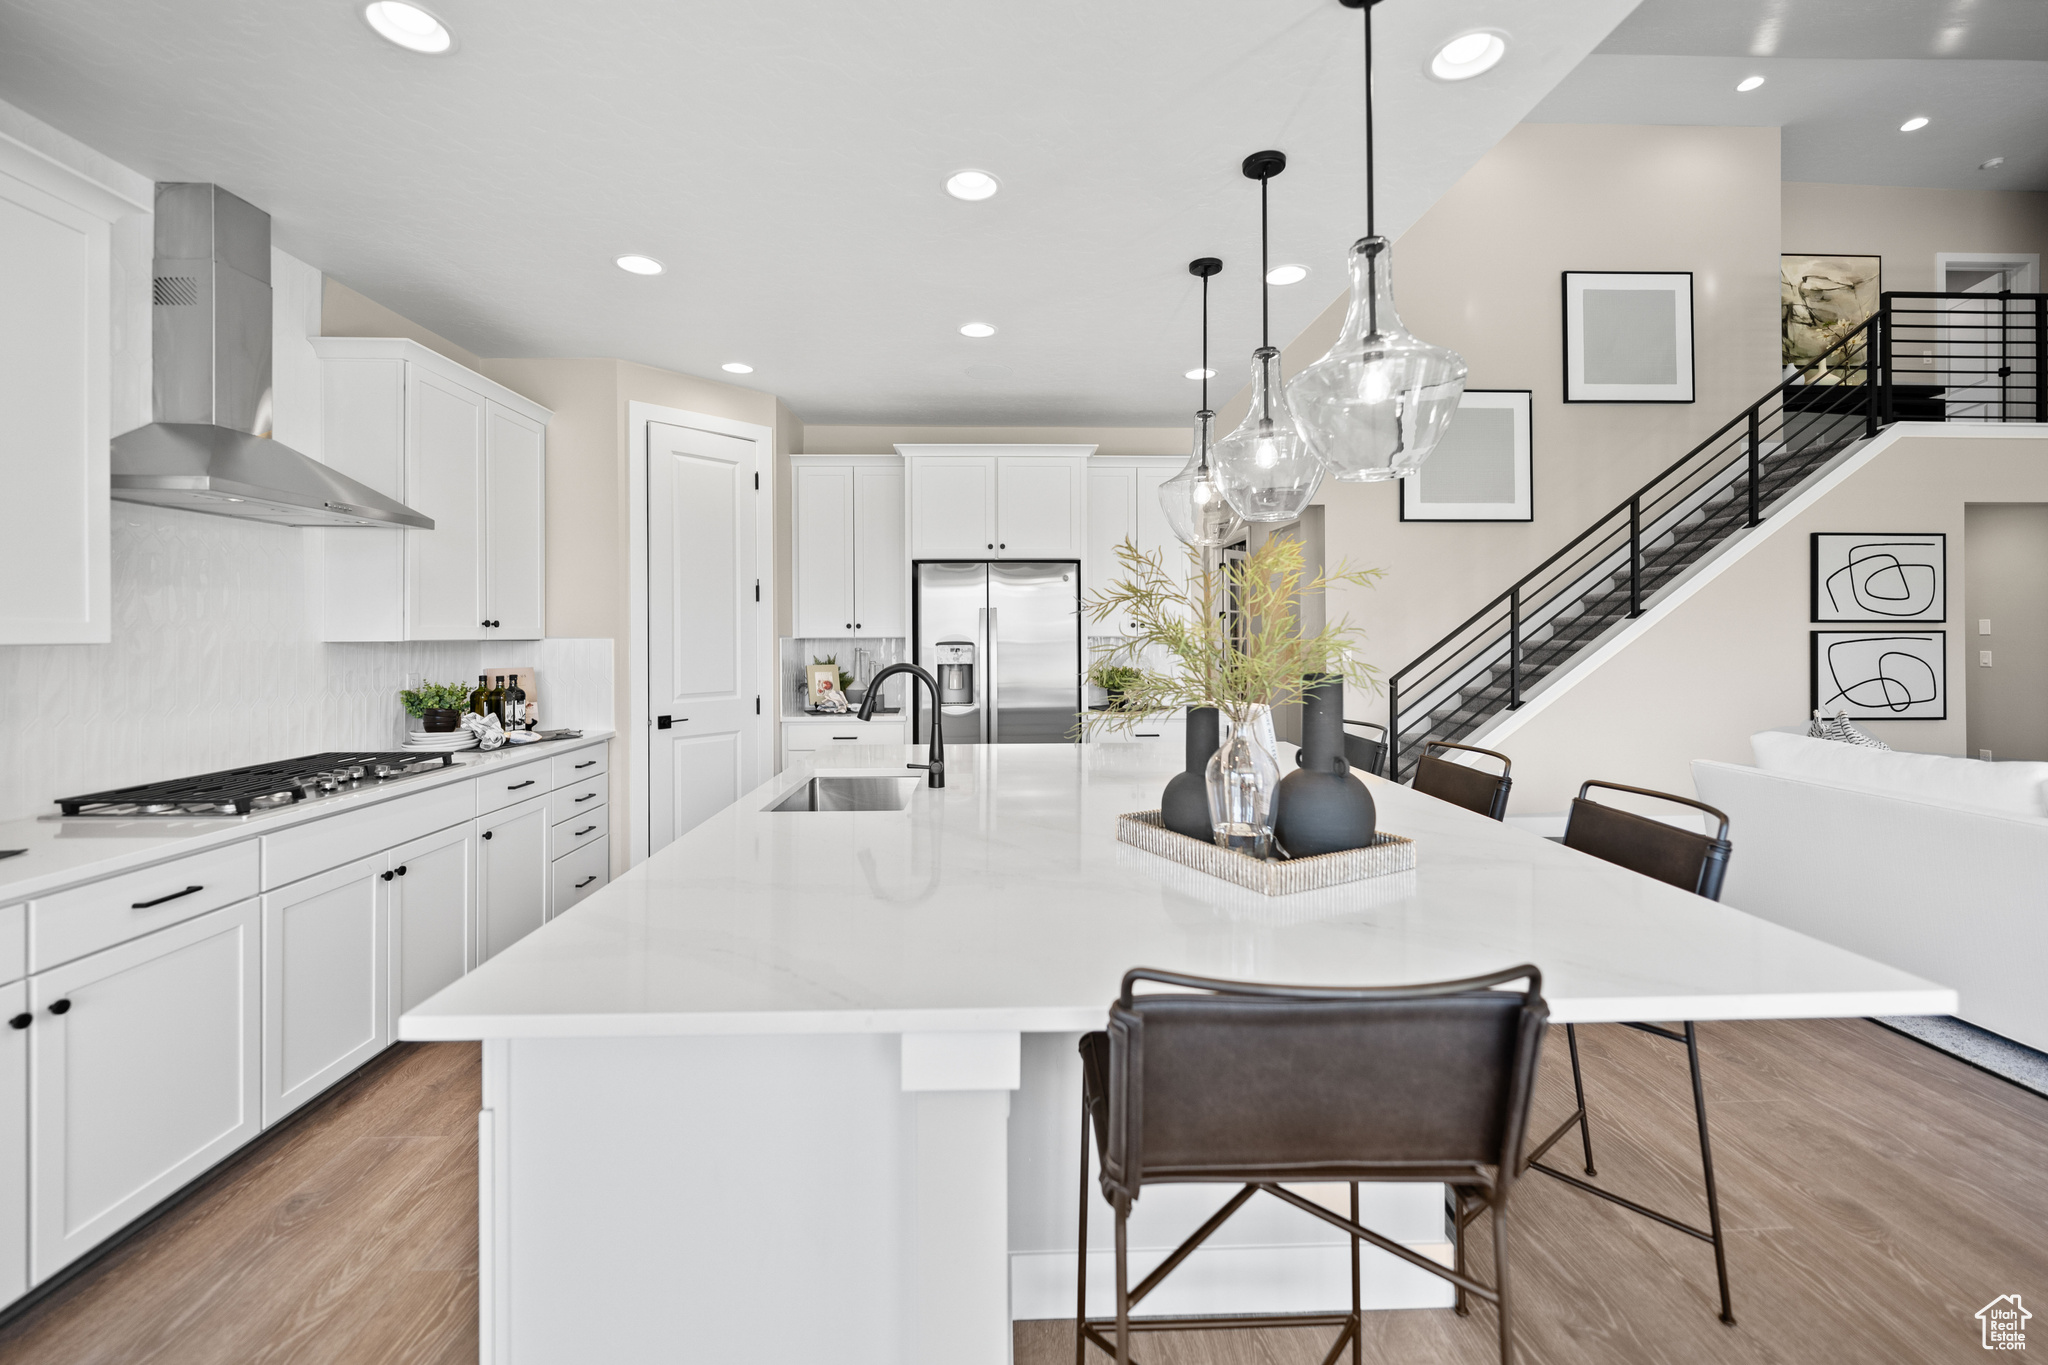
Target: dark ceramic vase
[1184,808]
[1320,807]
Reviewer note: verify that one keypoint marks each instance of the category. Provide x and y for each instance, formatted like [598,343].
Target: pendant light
[1267,468]
[1377,404]
[1193,502]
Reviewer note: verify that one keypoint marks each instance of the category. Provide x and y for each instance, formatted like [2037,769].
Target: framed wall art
[1481,470]
[1881,674]
[1821,300]
[1875,576]
[1628,336]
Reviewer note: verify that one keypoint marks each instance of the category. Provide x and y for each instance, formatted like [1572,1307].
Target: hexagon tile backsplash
[213,664]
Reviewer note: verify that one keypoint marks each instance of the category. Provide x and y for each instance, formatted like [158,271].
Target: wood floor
[1879,1194]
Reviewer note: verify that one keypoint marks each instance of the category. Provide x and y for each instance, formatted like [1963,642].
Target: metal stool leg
[1454,1205]
[1699,1109]
[1571,1037]
[1123,1282]
[1357,1306]
[1081,1273]
[1500,1278]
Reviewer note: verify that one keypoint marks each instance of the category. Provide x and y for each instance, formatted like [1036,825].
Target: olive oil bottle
[480,700]
[495,703]
[515,705]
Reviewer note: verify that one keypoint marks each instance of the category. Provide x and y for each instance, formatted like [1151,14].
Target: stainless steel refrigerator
[1004,641]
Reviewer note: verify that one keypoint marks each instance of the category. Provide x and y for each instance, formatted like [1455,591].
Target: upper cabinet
[851,565]
[1123,504]
[466,451]
[55,364]
[996,501]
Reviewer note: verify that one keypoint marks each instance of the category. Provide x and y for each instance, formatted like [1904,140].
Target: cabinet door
[952,507]
[54,364]
[444,440]
[1112,519]
[512,874]
[326,974]
[881,561]
[515,525]
[149,1076]
[433,915]
[13,1145]
[1038,508]
[822,516]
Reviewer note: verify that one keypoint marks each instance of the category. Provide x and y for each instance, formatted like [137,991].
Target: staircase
[1920,357]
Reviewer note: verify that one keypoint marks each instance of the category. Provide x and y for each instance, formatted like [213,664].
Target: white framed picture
[1879,576]
[1481,470]
[1881,674]
[1628,336]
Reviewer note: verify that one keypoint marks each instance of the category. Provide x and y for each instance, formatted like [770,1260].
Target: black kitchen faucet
[935,771]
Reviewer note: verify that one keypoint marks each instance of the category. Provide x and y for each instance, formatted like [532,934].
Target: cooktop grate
[237,791]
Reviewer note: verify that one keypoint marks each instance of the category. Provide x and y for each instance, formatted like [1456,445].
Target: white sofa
[1940,871]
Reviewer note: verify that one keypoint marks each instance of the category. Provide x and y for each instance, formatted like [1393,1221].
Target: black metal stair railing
[1920,357]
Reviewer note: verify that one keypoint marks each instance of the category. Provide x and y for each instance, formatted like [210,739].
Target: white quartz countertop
[1005,902]
[65,852]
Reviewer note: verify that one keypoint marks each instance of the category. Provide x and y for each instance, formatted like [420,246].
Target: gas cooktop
[266,786]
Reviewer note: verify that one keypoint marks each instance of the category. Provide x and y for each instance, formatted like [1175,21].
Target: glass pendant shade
[1267,468]
[1193,501]
[1378,403]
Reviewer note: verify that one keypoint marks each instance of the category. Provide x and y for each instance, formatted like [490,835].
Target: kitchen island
[803,1083]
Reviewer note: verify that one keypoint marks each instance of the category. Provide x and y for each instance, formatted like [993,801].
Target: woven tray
[1277,877]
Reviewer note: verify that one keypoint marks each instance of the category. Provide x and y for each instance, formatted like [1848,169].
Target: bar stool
[1228,1081]
[1366,753]
[1475,790]
[1692,862]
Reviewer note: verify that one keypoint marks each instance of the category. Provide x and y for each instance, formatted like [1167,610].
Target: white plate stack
[442,742]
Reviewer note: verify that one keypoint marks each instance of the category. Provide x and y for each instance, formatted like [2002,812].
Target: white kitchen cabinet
[1123,504]
[852,567]
[145,1072]
[579,874]
[326,978]
[996,501]
[802,738]
[14,1141]
[432,916]
[457,447]
[55,361]
[512,875]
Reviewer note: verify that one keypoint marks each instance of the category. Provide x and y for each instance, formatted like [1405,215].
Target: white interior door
[703,622]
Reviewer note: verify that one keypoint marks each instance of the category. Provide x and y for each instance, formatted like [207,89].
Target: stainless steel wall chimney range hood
[209,449]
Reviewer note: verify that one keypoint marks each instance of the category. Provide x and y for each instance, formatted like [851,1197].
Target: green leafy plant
[1114,678]
[845,678]
[1264,662]
[434,697]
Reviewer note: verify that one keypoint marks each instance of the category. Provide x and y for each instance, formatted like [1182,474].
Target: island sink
[848,793]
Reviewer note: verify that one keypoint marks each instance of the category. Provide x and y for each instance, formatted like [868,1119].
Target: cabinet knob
[22,1020]
[60,1006]
[1004,546]
[487,834]
[387,876]
[401,869]
[856,625]
[991,545]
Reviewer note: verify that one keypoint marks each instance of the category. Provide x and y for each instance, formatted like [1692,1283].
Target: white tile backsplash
[881,651]
[213,664]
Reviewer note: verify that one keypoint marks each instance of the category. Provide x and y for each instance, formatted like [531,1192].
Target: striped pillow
[1837,727]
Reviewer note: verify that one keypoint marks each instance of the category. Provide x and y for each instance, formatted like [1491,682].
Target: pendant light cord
[1205,348]
[1265,285]
[1370,229]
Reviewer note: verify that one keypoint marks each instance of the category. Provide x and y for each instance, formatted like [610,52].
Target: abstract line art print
[1879,577]
[1881,675]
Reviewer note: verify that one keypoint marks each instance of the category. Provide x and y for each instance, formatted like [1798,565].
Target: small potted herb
[1113,679]
[438,706]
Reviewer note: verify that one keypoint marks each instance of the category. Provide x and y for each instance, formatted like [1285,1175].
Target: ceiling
[785,160]
[1840,76]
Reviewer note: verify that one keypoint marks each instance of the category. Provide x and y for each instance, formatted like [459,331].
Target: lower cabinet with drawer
[581,872]
[802,738]
[326,972]
[512,875]
[146,1071]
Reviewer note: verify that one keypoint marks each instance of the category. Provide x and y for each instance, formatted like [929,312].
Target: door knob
[487,834]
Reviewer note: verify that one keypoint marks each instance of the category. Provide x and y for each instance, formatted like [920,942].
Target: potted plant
[1243,663]
[1113,679]
[437,706]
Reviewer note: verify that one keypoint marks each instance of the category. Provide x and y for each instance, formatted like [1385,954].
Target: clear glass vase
[1243,776]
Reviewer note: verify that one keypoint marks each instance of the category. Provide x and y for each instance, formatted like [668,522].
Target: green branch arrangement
[1183,616]
[434,697]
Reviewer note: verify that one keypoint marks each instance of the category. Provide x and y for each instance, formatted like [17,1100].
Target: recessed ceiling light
[409,26]
[734,367]
[1287,274]
[1463,58]
[1201,374]
[1747,84]
[977,329]
[972,185]
[1913,125]
[640,265]
[1993,164]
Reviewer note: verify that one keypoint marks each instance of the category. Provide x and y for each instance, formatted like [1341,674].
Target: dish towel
[489,732]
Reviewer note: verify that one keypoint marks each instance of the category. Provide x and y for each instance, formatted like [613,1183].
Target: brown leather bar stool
[1692,862]
[1472,788]
[1366,753]
[1232,1081]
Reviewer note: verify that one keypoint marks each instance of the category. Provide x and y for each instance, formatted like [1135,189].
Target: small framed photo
[1881,674]
[1628,336]
[820,681]
[1481,469]
[1879,576]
